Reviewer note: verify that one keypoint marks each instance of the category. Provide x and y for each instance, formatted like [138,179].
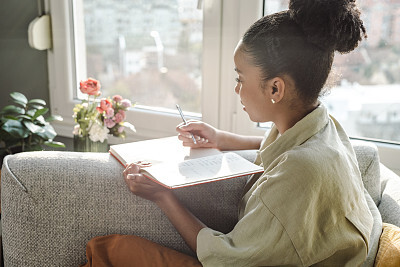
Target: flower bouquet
[95,120]
[112,115]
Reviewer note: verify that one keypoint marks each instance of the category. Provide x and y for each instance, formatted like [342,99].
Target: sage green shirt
[308,207]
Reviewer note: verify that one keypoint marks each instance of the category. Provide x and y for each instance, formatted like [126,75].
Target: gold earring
[273,101]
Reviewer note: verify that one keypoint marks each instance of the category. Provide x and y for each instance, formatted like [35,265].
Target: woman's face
[248,86]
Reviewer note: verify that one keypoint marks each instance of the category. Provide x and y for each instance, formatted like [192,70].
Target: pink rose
[109,123]
[90,87]
[117,98]
[126,103]
[110,112]
[118,118]
[121,129]
[105,104]
[122,112]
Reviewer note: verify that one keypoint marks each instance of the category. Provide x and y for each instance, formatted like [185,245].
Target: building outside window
[148,51]
[365,84]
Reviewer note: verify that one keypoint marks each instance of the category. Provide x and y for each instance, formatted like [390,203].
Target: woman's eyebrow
[237,70]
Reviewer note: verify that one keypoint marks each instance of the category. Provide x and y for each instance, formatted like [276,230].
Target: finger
[190,144]
[139,183]
[142,164]
[130,177]
[133,167]
[202,140]
[141,179]
[179,125]
[185,137]
[191,125]
[128,167]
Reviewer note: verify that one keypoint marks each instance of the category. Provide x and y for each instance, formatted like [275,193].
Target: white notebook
[175,166]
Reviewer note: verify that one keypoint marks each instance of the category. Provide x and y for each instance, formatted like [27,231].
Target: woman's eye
[237,80]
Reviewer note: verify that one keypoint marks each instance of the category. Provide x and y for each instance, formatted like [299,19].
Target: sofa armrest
[389,206]
[54,202]
[368,163]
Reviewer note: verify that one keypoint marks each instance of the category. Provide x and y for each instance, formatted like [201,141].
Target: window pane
[146,50]
[365,85]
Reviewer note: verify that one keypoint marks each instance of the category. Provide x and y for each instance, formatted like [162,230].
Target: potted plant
[23,126]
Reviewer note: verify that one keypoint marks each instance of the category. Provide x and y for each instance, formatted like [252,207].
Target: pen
[184,121]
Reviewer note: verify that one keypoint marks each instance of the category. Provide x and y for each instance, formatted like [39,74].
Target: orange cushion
[389,247]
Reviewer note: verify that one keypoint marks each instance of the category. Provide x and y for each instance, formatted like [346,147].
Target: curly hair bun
[333,25]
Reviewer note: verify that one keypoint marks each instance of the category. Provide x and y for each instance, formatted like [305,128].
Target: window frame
[61,60]
[224,24]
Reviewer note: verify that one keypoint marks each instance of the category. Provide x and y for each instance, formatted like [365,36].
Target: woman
[308,206]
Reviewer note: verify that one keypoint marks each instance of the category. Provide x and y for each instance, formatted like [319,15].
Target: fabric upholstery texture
[368,162]
[72,197]
[389,206]
[389,247]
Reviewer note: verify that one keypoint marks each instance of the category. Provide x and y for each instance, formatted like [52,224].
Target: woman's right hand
[205,134]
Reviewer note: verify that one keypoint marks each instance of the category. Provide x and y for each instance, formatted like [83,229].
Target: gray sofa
[54,202]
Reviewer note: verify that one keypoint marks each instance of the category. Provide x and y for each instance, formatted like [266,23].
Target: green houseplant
[23,126]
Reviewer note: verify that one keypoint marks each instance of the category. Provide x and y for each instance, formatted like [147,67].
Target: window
[91,39]
[147,51]
[152,52]
[365,98]
[365,85]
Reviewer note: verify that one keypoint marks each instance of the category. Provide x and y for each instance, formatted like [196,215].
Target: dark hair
[301,42]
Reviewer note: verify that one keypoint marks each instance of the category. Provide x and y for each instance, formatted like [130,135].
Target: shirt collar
[273,147]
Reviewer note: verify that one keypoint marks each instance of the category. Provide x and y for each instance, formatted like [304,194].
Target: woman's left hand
[142,186]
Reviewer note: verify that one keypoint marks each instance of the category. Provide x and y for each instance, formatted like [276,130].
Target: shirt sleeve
[258,239]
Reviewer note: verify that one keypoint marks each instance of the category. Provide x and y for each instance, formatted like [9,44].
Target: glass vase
[84,144]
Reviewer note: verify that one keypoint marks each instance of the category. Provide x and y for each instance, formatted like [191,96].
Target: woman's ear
[275,89]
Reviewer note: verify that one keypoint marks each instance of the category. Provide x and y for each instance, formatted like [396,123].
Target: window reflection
[148,51]
[365,84]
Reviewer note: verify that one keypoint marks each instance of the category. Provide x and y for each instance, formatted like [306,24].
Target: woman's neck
[289,117]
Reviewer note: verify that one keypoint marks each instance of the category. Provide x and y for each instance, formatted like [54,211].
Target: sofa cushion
[389,206]
[368,163]
[53,203]
[389,247]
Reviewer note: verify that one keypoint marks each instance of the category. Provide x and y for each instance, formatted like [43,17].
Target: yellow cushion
[389,247]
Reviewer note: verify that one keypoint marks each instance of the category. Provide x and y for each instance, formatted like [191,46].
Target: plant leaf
[49,133]
[54,144]
[54,118]
[15,128]
[31,112]
[37,101]
[24,117]
[35,106]
[11,109]
[41,120]
[129,126]
[33,127]
[20,103]
[19,97]
[10,117]
[40,112]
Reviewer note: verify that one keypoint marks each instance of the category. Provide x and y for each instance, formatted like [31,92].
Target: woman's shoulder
[310,171]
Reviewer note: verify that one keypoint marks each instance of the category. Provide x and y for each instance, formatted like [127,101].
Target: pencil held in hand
[184,121]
